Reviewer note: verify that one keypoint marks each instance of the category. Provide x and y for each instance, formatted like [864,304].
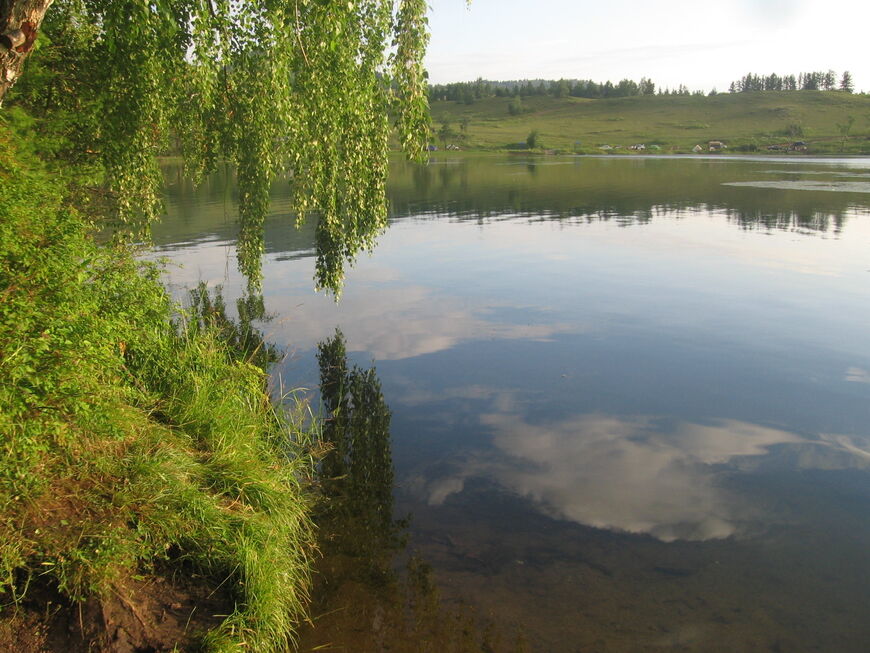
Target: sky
[701,43]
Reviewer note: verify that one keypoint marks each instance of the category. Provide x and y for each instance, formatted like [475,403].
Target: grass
[675,123]
[132,437]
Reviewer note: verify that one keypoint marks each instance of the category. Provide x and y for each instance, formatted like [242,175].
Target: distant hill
[743,121]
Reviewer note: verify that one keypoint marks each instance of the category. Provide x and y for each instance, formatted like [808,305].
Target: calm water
[630,396]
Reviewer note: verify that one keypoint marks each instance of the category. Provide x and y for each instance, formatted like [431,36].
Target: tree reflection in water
[363,599]
[357,470]
[208,310]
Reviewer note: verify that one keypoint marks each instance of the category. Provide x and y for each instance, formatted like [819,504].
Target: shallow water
[630,396]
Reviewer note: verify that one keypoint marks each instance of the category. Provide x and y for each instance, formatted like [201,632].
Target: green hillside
[744,121]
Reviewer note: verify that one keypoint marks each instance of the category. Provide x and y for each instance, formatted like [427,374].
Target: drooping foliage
[307,88]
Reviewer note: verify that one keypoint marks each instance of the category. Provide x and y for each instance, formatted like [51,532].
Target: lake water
[630,396]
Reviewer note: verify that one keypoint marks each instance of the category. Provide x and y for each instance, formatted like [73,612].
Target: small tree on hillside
[560,88]
[846,82]
[446,133]
[844,129]
[533,139]
[794,130]
[647,87]
[463,127]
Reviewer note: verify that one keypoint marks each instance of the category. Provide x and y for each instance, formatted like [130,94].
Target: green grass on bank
[674,123]
[129,439]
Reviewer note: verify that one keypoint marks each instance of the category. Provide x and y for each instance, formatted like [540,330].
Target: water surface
[630,396]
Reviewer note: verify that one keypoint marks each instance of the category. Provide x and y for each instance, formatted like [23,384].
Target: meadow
[745,122]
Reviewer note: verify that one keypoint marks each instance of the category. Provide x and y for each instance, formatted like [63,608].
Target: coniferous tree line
[809,81]
[469,92]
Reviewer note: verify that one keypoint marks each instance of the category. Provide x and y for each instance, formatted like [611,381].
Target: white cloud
[625,474]
[857,375]
[379,314]
[777,13]
[677,41]
[400,321]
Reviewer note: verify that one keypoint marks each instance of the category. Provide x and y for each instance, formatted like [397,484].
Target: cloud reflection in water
[628,474]
[404,321]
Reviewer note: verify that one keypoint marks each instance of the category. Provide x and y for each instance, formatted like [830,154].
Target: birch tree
[309,88]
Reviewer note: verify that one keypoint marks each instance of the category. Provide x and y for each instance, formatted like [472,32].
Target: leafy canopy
[303,87]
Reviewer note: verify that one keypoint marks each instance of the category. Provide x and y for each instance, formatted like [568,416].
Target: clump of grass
[692,125]
[130,436]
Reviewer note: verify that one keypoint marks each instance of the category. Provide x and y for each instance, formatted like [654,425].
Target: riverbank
[150,494]
[744,122]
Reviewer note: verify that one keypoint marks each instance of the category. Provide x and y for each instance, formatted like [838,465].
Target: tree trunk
[19,24]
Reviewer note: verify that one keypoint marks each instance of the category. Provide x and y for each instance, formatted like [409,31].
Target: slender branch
[298,31]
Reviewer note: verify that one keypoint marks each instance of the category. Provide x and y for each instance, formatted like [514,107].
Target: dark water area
[629,397]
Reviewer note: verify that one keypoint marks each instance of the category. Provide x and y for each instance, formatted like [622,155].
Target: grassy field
[675,123]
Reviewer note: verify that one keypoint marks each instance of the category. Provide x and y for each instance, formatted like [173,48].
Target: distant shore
[765,123]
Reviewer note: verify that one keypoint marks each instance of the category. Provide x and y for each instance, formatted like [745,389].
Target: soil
[147,615]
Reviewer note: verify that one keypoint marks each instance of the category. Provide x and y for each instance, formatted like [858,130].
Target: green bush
[130,432]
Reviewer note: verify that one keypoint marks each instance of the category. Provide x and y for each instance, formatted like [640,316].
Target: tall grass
[130,437]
